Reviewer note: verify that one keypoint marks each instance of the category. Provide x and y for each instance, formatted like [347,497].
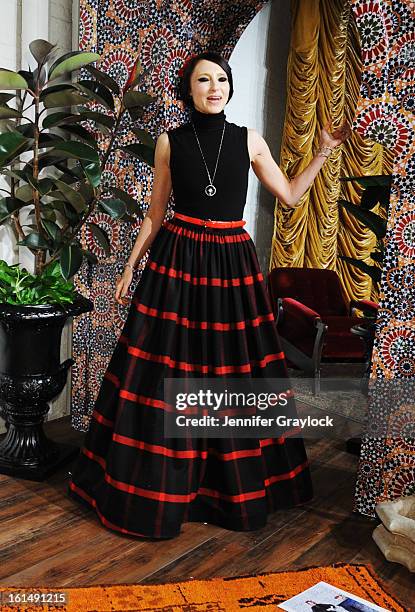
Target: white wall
[23,21]
[259,65]
[9,58]
[8,34]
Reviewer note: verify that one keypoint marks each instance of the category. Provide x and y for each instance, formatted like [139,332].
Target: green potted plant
[54,145]
[376,190]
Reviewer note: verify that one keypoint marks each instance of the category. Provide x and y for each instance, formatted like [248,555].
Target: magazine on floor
[324,597]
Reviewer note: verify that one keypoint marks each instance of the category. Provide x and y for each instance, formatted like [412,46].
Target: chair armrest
[366,306]
[303,329]
[299,311]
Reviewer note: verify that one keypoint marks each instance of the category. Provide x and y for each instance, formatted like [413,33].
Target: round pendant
[210,190]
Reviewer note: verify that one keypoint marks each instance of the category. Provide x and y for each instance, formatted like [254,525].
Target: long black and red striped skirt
[200,309]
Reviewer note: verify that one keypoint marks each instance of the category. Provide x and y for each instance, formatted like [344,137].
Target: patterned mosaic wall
[162,33]
[386,115]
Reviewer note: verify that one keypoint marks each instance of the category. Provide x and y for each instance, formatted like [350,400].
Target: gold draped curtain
[324,72]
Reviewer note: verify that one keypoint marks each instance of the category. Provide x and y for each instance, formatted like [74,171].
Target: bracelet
[325,151]
[128,265]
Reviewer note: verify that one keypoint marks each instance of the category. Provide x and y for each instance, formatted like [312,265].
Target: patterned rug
[262,592]
[348,404]
[337,396]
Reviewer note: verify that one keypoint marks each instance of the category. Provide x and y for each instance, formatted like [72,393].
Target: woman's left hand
[334,139]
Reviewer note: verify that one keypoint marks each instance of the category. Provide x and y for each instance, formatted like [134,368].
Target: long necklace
[210,189]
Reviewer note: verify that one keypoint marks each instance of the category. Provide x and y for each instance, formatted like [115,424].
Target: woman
[200,309]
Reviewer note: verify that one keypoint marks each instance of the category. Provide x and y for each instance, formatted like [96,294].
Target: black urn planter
[31,375]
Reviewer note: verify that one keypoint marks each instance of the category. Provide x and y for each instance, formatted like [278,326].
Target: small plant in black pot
[56,136]
[376,191]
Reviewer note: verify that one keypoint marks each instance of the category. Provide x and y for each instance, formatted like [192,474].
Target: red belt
[209,222]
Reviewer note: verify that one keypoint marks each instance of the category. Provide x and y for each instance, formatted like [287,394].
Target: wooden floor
[46,539]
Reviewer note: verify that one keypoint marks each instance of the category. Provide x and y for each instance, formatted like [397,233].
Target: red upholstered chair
[313,319]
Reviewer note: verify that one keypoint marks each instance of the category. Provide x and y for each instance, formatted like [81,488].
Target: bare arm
[159,197]
[154,216]
[272,177]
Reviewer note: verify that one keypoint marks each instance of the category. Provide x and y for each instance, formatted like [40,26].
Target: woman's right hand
[122,287]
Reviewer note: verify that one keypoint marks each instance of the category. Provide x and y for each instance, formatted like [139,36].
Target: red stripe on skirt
[173,316]
[287,475]
[156,495]
[182,498]
[182,454]
[143,399]
[188,497]
[134,397]
[189,454]
[155,403]
[242,497]
[195,367]
[102,518]
[206,236]
[112,378]
[271,441]
[287,434]
[102,462]
[125,394]
[241,454]
[205,280]
[194,454]
[160,450]
[101,419]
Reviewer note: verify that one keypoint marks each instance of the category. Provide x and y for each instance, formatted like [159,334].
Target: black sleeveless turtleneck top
[188,172]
